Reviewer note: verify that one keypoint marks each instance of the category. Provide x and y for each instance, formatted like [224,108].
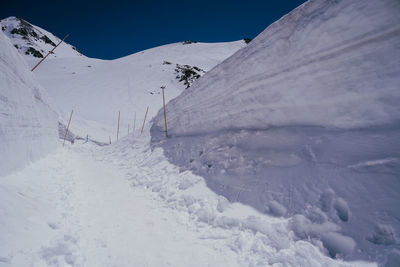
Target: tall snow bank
[329,63]
[326,78]
[28,126]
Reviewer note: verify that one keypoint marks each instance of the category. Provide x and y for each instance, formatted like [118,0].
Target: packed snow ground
[125,205]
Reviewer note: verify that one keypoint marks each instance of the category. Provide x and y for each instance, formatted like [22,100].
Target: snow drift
[304,120]
[28,126]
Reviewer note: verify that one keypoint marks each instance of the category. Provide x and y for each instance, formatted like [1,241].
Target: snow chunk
[304,228]
[223,204]
[327,199]
[342,209]
[276,209]
[336,243]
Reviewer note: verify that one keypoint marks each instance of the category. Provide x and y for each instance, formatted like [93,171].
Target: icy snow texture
[28,126]
[307,115]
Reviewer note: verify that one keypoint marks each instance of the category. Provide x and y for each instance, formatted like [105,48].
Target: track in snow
[125,205]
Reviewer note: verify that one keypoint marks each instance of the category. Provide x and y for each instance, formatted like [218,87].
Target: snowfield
[98,89]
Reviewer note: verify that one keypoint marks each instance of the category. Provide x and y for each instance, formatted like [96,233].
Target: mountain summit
[33,41]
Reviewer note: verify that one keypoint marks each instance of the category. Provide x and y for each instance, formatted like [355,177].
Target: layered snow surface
[28,125]
[304,123]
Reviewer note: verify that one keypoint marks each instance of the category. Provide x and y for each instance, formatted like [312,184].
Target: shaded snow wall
[28,126]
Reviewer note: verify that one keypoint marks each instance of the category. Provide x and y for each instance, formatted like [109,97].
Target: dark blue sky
[112,29]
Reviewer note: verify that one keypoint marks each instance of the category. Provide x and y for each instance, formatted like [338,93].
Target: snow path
[125,205]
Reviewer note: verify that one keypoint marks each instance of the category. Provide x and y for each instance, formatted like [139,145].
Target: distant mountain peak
[32,41]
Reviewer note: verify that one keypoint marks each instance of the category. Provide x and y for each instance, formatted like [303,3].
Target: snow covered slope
[98,89]
[28,126]
[33,41]
[305,120]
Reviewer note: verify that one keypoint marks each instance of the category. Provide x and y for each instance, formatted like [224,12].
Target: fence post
[134,124]
[66,131]
[51,51]
[144,121]
[165,112]
[119,113]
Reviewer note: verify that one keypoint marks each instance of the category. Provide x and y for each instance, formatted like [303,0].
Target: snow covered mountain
[28,126]
[98,89]
[33,41]
[305,122]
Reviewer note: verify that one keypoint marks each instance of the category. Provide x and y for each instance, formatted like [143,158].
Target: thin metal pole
[128,128]
[144,121]
[51,51]
[165,112]
[110,139]
[66,131]
[119,113]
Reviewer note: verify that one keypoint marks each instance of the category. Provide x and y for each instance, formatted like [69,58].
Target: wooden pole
[51,51]
[134,124]
[144,121]
[66,131]
[165,112]
[119,114]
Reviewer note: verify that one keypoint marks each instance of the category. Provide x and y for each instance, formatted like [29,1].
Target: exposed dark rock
[47,40]
[188,74]
[189,42]
[247,40]
[34,52]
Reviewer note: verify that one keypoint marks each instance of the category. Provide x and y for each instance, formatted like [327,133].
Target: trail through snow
[125,205]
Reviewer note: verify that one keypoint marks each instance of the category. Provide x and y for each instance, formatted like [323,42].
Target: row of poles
[119,113]
[134,122]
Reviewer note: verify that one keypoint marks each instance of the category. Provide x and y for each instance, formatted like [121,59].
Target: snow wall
[28,126]
[305,122]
